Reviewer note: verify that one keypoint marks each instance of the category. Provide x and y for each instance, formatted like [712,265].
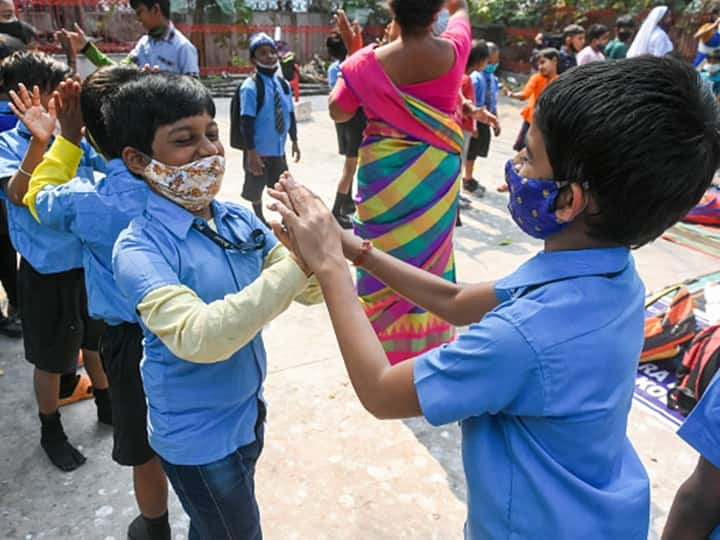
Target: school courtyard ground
[329,470]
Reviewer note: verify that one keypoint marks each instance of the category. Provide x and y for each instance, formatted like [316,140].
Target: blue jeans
[219,497]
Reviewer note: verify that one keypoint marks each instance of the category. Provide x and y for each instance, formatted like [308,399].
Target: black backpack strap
[285,86]
[259,92]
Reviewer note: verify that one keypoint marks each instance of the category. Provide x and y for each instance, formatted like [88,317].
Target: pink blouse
[440,93]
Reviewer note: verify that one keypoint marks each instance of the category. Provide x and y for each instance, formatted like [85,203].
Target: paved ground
[329,470]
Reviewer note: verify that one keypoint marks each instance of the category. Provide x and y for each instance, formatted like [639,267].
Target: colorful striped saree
[406,201]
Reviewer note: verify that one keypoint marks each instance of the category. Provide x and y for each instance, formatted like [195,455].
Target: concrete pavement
[329,470]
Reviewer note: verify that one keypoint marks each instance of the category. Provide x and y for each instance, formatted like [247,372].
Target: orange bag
[665,333]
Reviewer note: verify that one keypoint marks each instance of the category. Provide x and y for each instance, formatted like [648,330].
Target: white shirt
[660,43]
[588,54]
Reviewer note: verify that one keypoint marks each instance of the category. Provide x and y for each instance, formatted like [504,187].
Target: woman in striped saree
[410,160]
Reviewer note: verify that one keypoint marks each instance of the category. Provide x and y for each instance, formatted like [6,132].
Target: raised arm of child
[208,333]
[41,124]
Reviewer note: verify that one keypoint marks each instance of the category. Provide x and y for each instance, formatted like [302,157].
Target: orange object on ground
[83,390]
[665,332]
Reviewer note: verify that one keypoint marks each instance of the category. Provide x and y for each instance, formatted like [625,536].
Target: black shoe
[344,221]
[347,207]
[464,203]
[137,530]
[11,327]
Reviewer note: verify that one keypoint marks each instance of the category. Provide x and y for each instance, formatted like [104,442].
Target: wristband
[364,250]
[24,172]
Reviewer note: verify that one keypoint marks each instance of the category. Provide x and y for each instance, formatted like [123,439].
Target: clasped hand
[308,228]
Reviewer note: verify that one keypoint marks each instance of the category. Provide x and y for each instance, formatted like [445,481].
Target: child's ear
[570,203]
[135,160]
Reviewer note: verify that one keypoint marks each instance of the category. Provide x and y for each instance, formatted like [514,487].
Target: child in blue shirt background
[711,71]
[205,277]
[51,286]
[544,442]
[267,125]
[487,88]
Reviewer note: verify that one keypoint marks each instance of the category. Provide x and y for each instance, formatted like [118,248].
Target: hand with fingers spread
[351,33]
[67,98]
[29,110]
[314,234]
[77,39]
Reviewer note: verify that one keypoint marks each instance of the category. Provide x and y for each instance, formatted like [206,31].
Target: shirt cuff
[66,152]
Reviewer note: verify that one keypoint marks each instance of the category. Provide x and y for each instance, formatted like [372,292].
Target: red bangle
[364,250]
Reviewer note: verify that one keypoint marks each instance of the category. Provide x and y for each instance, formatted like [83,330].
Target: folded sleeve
[489,369]
[343,97]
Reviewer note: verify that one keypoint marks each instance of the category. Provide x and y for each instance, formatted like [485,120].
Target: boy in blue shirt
[711,71]
[163,46]
[487,88]
[695,512]
[349,136]
[95,215]
[544,442]
[205,277]
[265,125]
[51,289]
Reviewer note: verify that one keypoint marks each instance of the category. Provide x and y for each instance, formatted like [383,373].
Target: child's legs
[220,497]
[255,184]
[121,351]
[8,268]
[348,175]
[52,328]
[469,168]
[92,335]
[520,141]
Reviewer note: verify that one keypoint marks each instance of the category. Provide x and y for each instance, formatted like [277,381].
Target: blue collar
[5,107]
[168,35]
[176,218]
[547,267]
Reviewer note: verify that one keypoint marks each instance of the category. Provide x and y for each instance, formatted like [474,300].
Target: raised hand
[67,98]
[315,235]
[77,39]
[350,33]
[29,110]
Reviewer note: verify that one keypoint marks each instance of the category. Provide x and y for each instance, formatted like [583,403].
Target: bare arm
[337,113]
[695,512]
[460,305]
[458,8]
[27,108]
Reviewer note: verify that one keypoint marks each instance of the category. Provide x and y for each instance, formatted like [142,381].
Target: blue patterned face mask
[532,203]
[491,68]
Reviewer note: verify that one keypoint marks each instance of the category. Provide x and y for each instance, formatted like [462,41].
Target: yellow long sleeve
[208,333]
[59,166]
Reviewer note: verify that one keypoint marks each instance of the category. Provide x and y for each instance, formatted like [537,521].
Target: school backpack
[707,211]
[698,368]
[666,332]
[287,65]
[237,137]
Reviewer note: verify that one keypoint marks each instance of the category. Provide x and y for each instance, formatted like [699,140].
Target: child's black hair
[596,31]
[415,14]
[336,47]
[644,134]
[96,90]
[549,54]
[163,4]
[625,22]
[32,69]
[478,53]
[572,30]
[133,114]
[492,48]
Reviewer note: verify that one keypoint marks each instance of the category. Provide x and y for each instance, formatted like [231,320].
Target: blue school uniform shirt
[47,250]
[95,215]
[542,387]
[197,413]
[268,142]
[333,73]
[482,83]
[8,120]
[170,52]
[701,429]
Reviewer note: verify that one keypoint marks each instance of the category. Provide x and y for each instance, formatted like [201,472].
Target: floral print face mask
[192,186]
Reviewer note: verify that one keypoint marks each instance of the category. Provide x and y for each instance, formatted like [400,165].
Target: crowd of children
[127,256]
